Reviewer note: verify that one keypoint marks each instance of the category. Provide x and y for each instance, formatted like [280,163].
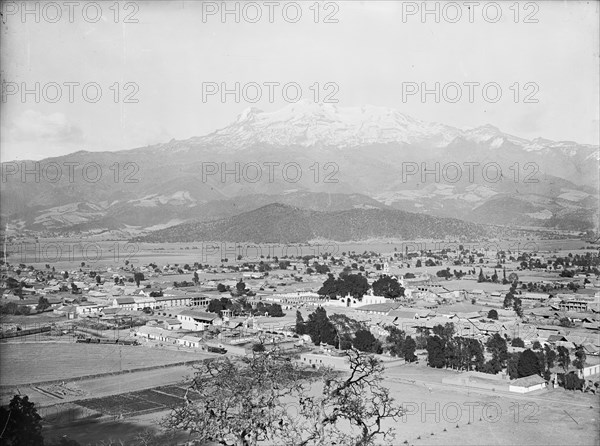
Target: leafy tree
[258,347]
[496,345]
[528,364]
[518,342]
[408,350]
[320,329]
[275,310]
[21,424]
[435,352]
[43,303]
[387,286]
[508,299]
[550,356]
[517,306]
[240,288]
[564,359]
[481,277]
[536,345]
[354,284]
[300,326]
[396,339]
[492,314]
[566,322]
[366,342]
[221,288]
[572,382]
[346,328]
[138,277]
[580,357]
[512,365]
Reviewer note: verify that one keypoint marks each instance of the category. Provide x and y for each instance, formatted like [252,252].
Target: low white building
[527,384]
[195,320]
[189,341]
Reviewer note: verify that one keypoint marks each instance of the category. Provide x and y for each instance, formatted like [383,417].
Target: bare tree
[238,402]
[247,401]
[351,408]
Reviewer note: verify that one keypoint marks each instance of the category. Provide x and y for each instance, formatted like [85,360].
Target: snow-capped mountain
[310,124]
[542,182]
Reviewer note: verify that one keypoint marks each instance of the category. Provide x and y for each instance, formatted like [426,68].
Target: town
[514,323]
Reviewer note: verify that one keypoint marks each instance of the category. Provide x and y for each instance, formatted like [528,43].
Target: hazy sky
[374,52]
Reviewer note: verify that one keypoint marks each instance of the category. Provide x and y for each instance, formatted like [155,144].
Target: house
[172,301]
[127,303]
[573,305]
[150,332]
[195,320]
[189,341]
[142,301]
[172,324]
[527,384]
[379,308]
[88,308]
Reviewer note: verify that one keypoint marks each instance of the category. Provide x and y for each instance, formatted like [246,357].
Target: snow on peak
[307,123]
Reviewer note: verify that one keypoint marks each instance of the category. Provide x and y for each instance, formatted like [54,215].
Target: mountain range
[318,157]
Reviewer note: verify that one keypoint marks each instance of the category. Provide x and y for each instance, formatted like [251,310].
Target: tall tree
[580,357]
[300,326]
[564,359]
[366,342]
[408,350]
[528,364]
[320,329]
[387,286]
[21,424]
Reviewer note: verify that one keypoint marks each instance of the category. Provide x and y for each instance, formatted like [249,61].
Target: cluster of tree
[354,284]
[513,300]
[183,284]
[318,326]
[400,345]
[445,350]
[273,310]
[14,309]
[242,306]
[339,331]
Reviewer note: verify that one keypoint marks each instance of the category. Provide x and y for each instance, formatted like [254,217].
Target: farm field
[68,253]
[26,363]
[438,416]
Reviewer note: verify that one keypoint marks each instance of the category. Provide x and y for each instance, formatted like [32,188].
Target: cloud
[33,126]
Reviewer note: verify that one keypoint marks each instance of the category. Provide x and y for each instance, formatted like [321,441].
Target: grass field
[36,362]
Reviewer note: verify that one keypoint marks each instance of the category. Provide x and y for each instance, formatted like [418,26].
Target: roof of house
[403,313]
[554,338]
[190,338]
[528,381]
[169,297]
[150,330]
[201,315]
[379,308]
[125,300]
[173,321]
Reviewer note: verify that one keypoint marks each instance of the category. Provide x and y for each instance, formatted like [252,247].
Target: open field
[437,414]
[35,362]
[67,253]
